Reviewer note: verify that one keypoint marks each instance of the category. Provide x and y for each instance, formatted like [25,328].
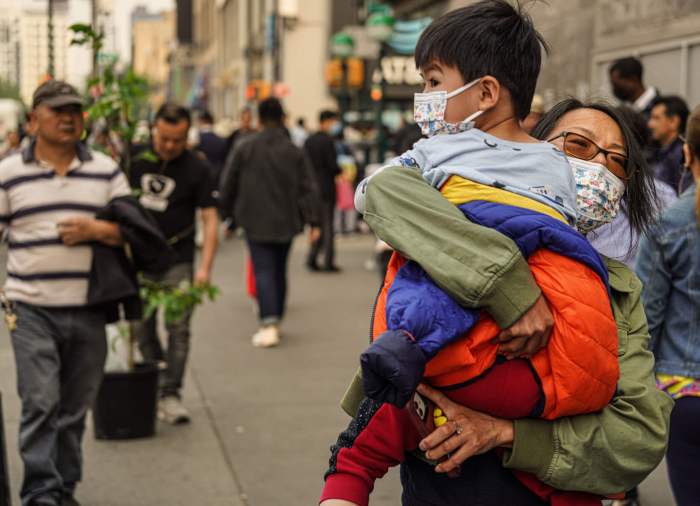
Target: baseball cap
[56,94]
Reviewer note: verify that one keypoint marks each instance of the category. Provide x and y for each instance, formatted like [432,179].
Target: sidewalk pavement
[262,420]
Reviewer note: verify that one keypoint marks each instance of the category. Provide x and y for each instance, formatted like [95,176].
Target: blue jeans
[270,268]
[60,355]
[146,333]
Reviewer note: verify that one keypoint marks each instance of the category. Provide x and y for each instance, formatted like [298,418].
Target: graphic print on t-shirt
[156,188]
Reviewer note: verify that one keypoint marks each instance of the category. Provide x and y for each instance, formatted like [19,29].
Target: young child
[501,178]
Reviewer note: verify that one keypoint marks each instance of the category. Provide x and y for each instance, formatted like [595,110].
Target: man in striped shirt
[49,194]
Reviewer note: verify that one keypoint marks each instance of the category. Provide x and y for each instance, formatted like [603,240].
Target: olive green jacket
[603,453]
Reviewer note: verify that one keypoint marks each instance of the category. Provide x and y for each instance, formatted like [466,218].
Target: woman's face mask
[429,112]
[598,194]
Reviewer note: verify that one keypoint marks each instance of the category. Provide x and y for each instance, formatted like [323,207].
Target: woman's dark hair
[635,120]
[490,37]
[640,201]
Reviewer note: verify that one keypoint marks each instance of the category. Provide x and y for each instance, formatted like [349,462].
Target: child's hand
[529,334]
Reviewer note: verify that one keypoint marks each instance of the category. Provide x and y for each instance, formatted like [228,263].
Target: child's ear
[489,93]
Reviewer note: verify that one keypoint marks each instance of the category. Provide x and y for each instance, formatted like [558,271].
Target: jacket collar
[620,277]
[81,152]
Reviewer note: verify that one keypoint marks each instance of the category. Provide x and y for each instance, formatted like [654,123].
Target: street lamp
[380,27]
[342,47]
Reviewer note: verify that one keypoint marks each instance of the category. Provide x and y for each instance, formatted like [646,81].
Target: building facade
[245,50]
[586,36]
[32,57]
[153,38]
[9,43]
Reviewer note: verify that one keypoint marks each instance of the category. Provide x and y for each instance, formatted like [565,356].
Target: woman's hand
[467,432]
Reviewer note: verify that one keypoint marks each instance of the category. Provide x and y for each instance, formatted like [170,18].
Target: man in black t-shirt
[172,188]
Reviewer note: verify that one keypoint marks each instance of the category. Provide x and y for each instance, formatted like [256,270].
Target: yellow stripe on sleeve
[460,191]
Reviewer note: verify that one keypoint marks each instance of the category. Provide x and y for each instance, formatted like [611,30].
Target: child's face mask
[429,112]
[598,194]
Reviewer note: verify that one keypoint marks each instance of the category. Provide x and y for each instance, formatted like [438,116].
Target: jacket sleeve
[656,278]
[376,439]
[477,266]
[228,186]
[309,196]
[418,306]
[332,159]
[615,449]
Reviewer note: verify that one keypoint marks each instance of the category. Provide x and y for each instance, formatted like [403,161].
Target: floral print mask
[429,112]
[598,194]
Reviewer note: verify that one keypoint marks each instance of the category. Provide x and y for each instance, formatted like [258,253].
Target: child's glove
[392,367]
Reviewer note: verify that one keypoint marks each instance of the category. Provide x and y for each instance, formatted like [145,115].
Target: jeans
[683,452]
[146,333]
[270,268]
[326,241]
[60,355]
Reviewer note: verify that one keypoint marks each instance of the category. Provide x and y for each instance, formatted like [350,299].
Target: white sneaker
[267,337]
[171,410]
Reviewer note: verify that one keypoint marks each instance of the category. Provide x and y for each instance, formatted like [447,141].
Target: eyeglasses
[582,147]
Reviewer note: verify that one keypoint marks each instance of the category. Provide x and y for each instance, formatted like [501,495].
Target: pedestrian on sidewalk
[211,144]
[270,192]
[299,133]
[49,194]
[627,82]
[322,153]
[173,187]
[245,128]
[667,123]
[668,265]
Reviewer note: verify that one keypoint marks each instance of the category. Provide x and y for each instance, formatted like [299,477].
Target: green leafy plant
[117,97]
[83,34]
[9,90]
[176,302]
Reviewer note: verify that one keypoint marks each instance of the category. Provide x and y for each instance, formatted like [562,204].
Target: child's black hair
[490,37]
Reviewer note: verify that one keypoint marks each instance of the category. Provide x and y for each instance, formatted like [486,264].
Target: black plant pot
[126,404]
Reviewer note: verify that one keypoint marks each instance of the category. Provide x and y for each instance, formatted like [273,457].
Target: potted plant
[126,404]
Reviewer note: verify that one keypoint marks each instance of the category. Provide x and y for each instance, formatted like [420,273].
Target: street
[262,419]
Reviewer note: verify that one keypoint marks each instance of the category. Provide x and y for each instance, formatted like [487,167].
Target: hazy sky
[122,15]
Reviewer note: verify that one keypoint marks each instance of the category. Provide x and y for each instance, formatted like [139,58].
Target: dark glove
[392,367]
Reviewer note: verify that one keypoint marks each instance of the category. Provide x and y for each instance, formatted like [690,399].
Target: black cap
[56,94]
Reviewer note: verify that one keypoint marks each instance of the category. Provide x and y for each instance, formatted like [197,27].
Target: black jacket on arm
[268,187]
[113,275]
[321,150]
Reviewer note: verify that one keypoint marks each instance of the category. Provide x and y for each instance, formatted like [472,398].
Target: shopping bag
[250,278]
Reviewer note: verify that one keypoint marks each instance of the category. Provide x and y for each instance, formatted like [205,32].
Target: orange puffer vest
[577,370]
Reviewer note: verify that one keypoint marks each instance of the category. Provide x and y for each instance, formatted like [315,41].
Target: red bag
[345,196]
[250,278]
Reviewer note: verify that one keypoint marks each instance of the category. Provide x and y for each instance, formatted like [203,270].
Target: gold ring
[458,429]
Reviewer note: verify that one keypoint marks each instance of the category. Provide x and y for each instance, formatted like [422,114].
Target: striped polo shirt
[41,270]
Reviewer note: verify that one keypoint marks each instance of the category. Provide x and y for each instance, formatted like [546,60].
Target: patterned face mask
[429,112]
[598,194]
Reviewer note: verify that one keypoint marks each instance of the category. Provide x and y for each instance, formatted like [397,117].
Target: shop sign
[399,70]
